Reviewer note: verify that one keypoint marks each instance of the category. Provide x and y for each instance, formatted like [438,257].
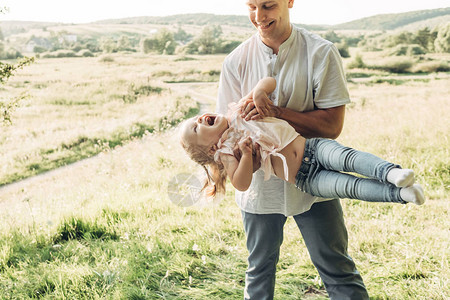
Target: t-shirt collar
[284,45]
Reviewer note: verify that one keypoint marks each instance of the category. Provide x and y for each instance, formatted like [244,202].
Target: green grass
[84,147]
[129,107]
[105,228]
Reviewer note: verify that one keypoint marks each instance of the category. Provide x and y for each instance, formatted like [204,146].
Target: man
[311,95]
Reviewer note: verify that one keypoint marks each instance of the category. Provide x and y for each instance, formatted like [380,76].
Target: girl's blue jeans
[324,160]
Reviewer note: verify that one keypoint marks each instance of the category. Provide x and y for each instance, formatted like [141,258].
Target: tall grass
[105,228]
[78,108]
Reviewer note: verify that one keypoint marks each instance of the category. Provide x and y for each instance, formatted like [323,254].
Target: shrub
[85,53]
[228,46]
[404,49]
[416,50]
[134,92]
[184,58]
[356,63]
[394,65]
[398,50]
[343,49]
[65,53]
[59,54]
[12,54]
[431,67]
[39,49]
[162,73]
[106,58]
[47,55]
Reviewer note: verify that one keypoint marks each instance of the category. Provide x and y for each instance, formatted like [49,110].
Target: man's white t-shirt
[309,75]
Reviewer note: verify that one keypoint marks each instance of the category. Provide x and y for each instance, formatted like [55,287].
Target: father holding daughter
[311,95]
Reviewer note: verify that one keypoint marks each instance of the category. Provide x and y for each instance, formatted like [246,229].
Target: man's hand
[257,104]
[249,110]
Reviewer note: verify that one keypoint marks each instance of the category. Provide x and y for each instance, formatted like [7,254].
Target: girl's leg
[400,177]
[333,156]
[332,184]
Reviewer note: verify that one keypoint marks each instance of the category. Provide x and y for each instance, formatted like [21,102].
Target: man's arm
[327,123]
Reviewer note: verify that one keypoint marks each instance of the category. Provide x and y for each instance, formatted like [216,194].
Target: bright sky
[327,12]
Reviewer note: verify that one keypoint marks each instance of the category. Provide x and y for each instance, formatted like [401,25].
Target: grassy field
[104,228]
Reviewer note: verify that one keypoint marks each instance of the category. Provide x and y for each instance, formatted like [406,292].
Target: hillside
[406,21]
[17,27]
[198,20]
[430,23]
[183,19]
[423,18]
[395,21]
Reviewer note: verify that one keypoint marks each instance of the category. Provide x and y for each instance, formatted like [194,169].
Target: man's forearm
[327,123]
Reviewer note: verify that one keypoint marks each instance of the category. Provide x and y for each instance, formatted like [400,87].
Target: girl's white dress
[271,134]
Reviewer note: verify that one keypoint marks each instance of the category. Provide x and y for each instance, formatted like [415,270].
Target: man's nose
[259,15]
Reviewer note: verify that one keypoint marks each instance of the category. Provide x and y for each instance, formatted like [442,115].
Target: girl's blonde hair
[216,176]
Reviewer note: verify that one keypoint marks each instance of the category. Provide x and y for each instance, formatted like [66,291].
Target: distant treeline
[378,22]
[211,40]
[172,38]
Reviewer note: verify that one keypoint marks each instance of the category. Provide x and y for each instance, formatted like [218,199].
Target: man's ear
[290,3]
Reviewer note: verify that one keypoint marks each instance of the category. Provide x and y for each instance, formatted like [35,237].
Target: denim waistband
[307,161]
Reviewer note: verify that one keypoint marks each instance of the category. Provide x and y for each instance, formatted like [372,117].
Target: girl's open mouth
[210,120]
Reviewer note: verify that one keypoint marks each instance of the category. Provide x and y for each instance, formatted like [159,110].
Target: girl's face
[205,130]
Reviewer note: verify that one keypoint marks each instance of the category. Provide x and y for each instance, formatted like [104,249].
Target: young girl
[313,165]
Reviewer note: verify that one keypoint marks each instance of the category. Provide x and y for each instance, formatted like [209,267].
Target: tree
[401,38]
[162,43]
[166,42]
[149,45]
[7,106]
[442,41]
[182,36]
[7,70]
[424,38]
[208,42]
[108,45]
[123,43]
[332,36]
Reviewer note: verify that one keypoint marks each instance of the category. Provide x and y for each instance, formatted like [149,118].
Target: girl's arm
[240,171]
[260,96]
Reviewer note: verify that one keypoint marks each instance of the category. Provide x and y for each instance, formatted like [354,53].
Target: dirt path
[194,90]
[206,100]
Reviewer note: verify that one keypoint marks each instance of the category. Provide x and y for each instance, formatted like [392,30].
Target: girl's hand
[246,146]
[256,156]
[246,105]
[262,103]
